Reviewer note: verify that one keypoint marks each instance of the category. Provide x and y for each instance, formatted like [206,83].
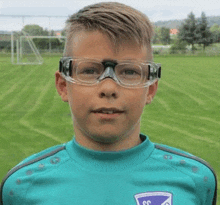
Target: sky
[156,10]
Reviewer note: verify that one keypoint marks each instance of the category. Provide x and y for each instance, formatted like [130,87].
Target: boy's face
[94,125]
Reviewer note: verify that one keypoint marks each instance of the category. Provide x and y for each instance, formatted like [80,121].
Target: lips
[108,111]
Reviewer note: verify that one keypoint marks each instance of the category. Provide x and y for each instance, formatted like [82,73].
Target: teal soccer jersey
[148,174]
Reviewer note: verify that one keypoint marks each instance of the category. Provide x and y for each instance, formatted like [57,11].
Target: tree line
[192,31]
[195,31]
[43,44]
[177,23]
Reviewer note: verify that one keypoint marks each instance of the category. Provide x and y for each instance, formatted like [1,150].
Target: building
[174,31]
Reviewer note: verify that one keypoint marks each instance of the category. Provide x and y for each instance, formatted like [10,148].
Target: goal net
[24,50]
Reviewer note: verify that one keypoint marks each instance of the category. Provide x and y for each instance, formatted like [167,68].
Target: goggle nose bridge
[109,70]
[108,73]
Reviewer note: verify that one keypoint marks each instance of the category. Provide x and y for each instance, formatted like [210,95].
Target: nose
[108,88]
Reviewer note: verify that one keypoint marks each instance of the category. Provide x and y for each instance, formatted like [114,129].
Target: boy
[107,76]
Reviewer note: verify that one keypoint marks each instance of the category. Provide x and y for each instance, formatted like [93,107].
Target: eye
[89,71]
[129,72]
[89,68]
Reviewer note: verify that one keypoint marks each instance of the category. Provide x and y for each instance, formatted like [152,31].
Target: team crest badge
[154,198]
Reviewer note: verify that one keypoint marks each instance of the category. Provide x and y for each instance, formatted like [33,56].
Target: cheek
[78,100]
[139,96]
[137,101]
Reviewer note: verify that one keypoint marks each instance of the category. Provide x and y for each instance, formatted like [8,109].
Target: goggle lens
[88,72]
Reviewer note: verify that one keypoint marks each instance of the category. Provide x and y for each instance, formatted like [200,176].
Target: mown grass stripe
[184,132]
[163,103]
[16,83]
[199,101]
[24,119]
[184,113]
[17,97]
[42,132]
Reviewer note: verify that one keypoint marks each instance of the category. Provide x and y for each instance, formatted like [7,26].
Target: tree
[161,36]
[178,46]
[204,34]
[165,35]
[156,39]
[63,32]
[215,30]
[35,30]
[188,30]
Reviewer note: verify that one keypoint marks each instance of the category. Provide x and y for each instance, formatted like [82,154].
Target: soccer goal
[23,49]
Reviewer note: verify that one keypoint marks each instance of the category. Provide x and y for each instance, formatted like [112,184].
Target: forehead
[98,45]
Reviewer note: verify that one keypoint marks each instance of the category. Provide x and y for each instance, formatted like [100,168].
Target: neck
[125,142]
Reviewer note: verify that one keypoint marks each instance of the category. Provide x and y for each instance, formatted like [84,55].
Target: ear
[61,86]
[152,90]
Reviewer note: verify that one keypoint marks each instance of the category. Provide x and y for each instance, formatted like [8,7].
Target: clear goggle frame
[132,74]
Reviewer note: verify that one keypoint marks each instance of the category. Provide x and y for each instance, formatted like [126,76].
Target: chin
[105,138]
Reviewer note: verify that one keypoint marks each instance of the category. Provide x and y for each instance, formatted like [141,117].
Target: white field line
[199,101]
[9,140]
[204,130]
[211,128]
[40,98]
[163,103]
[201,91]
[199,117]
[15,68]
[39,131]
[24,120]
[184,132]
[209,88]
[209,120]
[208,84]
[2,97]
[18,95]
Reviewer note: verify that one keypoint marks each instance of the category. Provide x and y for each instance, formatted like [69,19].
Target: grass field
[185,112]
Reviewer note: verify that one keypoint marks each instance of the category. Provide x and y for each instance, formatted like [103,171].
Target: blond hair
[121,23]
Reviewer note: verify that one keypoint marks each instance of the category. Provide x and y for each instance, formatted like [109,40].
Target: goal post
[23,49]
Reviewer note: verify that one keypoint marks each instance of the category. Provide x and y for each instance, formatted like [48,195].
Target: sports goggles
[130,74]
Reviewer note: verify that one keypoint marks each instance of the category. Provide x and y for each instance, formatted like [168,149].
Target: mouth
[108,111]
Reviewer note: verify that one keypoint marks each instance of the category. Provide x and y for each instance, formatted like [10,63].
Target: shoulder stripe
[197,159]
[13,170]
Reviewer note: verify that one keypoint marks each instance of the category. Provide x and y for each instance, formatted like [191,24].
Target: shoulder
[26,170]
[197,169]
[170,151]
[36,158]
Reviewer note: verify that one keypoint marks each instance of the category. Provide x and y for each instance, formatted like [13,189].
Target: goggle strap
[154,72]
[65,66]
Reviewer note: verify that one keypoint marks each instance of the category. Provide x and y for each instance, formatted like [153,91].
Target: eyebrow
[134,59]
[109,59]
[124,59]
